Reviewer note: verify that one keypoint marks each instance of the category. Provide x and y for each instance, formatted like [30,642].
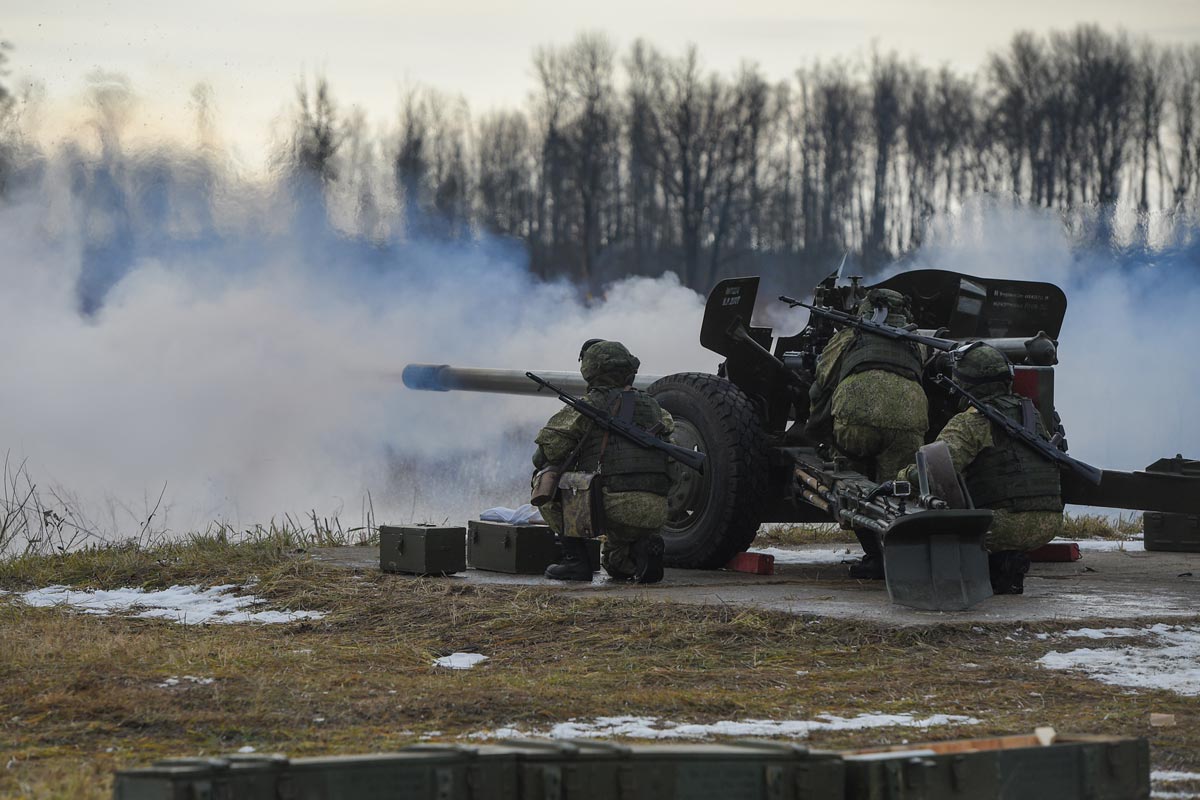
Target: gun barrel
[445,378]
[1013,347]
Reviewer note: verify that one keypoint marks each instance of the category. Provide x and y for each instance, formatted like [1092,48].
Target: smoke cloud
[172,325]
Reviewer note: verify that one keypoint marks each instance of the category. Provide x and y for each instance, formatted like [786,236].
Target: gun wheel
[714,516]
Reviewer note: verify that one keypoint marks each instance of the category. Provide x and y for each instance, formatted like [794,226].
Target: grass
[1101,526]
[803,533]
[81,695]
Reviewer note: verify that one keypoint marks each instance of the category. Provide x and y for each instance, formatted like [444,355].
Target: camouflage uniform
[867,399]
[1015,527]
[635,503]
[1022,487]
[867,394]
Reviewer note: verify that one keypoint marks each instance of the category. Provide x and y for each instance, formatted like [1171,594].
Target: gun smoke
[174,328]
[173,325]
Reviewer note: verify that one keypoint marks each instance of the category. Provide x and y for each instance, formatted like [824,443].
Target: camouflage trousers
[629,517]
[878,453]
[1022,530]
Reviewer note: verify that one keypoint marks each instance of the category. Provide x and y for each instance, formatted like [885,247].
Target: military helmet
[979,363]
[899,312]
[608,364]
[586,345]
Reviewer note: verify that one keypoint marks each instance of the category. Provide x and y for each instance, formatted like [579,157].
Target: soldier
[634,479]
[867,398]
[1022,487]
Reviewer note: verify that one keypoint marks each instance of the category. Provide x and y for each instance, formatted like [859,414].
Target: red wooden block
[753,563]
[1057,551]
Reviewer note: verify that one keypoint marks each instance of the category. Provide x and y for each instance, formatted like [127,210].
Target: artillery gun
[748,416]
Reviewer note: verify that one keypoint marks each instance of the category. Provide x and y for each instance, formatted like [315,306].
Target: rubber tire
[731,428]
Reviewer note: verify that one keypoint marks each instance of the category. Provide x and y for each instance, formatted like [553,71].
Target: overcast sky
[252,51]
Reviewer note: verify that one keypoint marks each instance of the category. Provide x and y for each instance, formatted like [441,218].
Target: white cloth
[523,515]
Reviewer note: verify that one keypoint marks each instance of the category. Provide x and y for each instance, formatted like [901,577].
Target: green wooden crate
[422,549]
[1002,768]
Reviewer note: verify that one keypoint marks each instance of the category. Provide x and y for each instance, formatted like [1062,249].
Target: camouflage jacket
[875,398]
[567,428]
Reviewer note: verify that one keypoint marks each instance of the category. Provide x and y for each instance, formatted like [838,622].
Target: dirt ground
[805,655]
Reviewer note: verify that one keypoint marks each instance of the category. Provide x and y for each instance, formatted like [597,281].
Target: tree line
[640,162]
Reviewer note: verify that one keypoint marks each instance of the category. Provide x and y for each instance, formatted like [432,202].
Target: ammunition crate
[1171,532]
[418,774]
[740,770]
[1003,768]
[422,549]
[517,549]
[241,777]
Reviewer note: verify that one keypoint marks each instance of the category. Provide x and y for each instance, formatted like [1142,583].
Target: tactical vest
[1011,475]
[871,351]
[867,352]
[625,467]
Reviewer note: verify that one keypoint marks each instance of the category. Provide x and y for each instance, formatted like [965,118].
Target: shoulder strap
[622,409]
[1028,415]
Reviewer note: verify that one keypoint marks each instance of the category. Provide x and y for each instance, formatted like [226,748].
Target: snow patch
[175,681]
[186,605]
[656,728]
[813,556]
[1170,661]
[1169,776]
[460,660]
[1102,633]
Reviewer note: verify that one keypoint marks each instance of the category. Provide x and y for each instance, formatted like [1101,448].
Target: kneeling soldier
[868,400]
[1022,486]
[634,481]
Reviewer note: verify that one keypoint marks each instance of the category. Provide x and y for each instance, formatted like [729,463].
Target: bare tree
[409,164]
[591,137]
[1184,91]
[1151,75]
[887,81]
[318,133]
[505,175]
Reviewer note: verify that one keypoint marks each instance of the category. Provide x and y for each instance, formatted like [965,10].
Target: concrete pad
[1104,584]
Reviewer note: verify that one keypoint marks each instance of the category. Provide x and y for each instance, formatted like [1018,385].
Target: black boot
[1007,570]
[648,559]
[871,566]
[575,565]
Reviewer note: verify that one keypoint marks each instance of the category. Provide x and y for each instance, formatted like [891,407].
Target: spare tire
[715,515]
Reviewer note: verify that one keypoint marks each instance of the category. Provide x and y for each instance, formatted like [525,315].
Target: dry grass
[80,695]
[1101,526]
[803,533]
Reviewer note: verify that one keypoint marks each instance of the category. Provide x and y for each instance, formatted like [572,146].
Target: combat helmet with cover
[982,370]
[605,364]
[899,312]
